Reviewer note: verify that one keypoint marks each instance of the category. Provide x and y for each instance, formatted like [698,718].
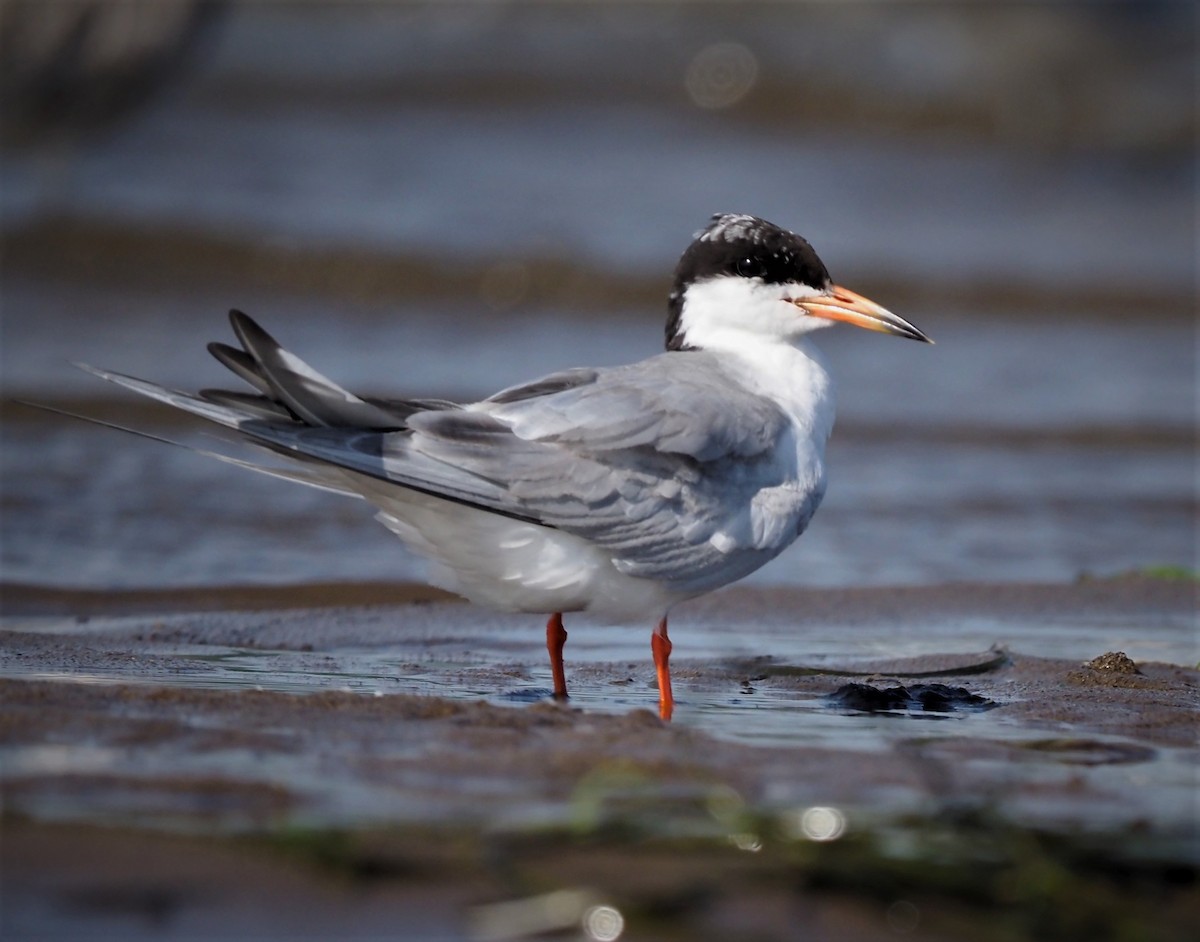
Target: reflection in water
[819,823]
[603,923]
[548,913]
[747,841]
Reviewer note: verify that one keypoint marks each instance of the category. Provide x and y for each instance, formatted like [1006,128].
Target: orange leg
[556,637]
[660,645]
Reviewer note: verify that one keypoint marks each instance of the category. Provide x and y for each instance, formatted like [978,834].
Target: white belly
[511,565]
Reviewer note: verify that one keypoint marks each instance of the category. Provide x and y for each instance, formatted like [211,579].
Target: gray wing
[631,460]
[288,388]
[681,403]
[661,462]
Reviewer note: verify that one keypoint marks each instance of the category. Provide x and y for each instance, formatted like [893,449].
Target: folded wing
[659,462]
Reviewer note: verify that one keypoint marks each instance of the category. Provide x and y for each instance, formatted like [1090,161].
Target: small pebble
[1115,662]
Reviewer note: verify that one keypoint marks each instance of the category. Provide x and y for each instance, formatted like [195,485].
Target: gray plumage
[646,461]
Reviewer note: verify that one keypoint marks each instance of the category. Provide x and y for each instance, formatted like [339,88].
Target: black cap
[737,244]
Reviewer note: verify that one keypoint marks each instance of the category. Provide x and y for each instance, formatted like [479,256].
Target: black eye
[748,267]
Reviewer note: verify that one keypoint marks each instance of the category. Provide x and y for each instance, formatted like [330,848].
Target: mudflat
[844,763]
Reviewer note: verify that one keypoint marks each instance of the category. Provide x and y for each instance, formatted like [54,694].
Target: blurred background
[445,198]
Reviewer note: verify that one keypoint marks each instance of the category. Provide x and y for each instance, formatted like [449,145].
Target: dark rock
[926,698]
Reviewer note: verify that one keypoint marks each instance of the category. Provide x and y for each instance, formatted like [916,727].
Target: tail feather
[242,365]
[313,397]
[291,388]
[255,407]
[214,412]
[287,412]
[403,408]
[287,390]
[322,477]
[311,474]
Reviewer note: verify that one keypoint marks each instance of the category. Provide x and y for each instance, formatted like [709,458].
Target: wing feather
[661,462]
[313,397]
[675,403]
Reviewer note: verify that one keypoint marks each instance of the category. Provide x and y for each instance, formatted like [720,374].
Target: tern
[621,491]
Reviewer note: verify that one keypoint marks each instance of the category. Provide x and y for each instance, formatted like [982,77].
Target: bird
[620,490]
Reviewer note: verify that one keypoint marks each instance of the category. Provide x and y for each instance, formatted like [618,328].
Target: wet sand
[308,767]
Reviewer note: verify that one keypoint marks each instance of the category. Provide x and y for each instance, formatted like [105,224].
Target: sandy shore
[304,767]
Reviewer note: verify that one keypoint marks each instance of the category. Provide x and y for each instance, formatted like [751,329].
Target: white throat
[761,338]
[718,310]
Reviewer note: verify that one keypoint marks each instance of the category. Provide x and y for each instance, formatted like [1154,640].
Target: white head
[745,276]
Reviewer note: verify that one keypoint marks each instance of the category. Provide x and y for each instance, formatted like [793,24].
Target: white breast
[795,378]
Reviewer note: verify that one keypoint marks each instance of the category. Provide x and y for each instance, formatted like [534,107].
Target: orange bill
[842,304]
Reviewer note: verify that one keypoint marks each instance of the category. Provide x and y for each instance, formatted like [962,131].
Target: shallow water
[535,171]
[725,689]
